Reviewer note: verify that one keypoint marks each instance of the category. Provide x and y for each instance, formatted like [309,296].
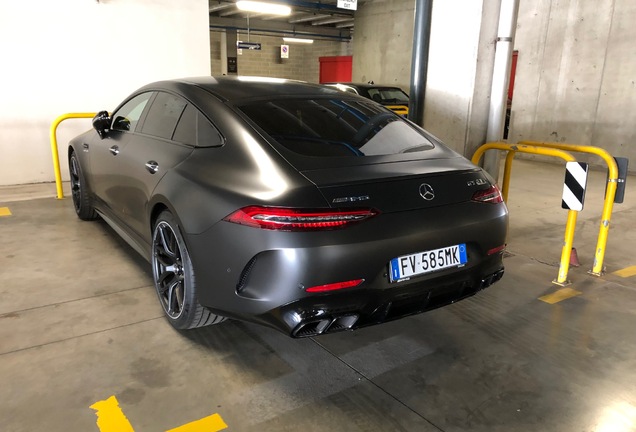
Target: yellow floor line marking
[110,417]
[626,272]
[211,423]
[560,295]
[4,211]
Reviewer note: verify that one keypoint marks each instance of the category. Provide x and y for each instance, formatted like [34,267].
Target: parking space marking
[211,423]
[626,272]
[4,211]
[110,418]
[560,295]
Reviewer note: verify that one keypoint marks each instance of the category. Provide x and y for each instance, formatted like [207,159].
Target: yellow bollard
[610,193]
[570,226]
[54,149]
[564,265]
[505,182]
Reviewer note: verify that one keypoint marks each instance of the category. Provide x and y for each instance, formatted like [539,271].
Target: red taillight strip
[289,219]
[335,286]
[497,249]
[491,195]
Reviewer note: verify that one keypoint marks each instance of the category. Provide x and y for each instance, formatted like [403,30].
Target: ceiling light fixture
[298,40]
[261,7]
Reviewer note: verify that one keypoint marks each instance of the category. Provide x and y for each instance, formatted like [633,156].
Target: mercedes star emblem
[427,192]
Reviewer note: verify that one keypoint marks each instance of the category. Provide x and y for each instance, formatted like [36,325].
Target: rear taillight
[497,250]
[335,286]
[288,219]
[491,195]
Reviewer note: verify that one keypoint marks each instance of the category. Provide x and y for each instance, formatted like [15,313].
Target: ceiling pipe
[306,18]
[350,23]
[331,20]
[220,6]
[419,62]
[508,13]
[268,32]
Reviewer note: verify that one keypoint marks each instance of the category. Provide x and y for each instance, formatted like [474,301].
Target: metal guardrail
[54,149]
[570,226]
[610,194]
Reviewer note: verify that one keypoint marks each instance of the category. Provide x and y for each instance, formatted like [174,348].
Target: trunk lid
[400,186]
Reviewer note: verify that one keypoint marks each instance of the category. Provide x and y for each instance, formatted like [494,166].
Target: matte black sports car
[292,205]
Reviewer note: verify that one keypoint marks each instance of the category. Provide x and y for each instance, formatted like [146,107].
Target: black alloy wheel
[174,277]
[79,191]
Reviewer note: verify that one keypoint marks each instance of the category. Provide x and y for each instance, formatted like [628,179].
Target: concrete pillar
[501,78]
[224,52]
[461,59]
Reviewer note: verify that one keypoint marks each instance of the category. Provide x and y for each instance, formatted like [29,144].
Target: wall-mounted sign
[284,51]
[248,45]
[232,65]
[348,4]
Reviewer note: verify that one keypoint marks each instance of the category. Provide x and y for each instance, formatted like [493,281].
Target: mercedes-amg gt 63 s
[293,205]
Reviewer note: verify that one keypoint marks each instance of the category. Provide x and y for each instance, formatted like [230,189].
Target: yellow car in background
[391,97]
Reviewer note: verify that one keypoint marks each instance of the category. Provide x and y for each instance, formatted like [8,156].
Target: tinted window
[163,115]
[126,117]
[336,128]
[195,129]
[388,95]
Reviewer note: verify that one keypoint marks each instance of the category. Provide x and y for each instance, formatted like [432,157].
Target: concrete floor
[80,322]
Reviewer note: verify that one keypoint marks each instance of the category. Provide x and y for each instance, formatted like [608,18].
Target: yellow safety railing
[610,194]
[570,226]
[54,149]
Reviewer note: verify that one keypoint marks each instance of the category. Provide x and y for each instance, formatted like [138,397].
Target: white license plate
[427,262]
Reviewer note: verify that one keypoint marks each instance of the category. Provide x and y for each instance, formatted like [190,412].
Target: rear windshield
[336,128]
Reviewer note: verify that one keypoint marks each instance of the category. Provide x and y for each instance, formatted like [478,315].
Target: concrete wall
[461,55]
[83,55]
[302,63]
[576,74]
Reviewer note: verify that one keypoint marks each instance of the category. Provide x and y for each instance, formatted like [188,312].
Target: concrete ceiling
[316,19]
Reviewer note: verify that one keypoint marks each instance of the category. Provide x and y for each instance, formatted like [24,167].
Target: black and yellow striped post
[572,200]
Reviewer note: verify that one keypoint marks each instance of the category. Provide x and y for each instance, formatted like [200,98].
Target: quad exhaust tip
[325,325]
[486,282]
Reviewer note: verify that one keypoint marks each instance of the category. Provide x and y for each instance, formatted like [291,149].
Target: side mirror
[101,123]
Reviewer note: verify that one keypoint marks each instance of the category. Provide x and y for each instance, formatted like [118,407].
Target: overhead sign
[284,51]
[248,45]
[348,4]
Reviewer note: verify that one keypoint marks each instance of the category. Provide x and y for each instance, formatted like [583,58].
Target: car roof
[232,88]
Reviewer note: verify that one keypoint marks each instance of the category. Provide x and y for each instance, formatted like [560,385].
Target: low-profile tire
[174,278]
[79,190]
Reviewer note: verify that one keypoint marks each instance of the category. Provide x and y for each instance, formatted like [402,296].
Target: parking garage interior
[84,345]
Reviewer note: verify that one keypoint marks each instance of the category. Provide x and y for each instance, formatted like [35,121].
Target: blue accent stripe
[395,272]
[463,255]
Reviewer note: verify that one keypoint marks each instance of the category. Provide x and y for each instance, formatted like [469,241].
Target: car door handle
[114,150]
[152,167]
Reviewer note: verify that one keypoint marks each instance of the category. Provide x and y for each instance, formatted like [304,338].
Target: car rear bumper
[262,275]
[348,311]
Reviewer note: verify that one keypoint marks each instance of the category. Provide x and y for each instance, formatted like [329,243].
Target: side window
[195,129]
[126,117]
[375,95]
[163,115]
